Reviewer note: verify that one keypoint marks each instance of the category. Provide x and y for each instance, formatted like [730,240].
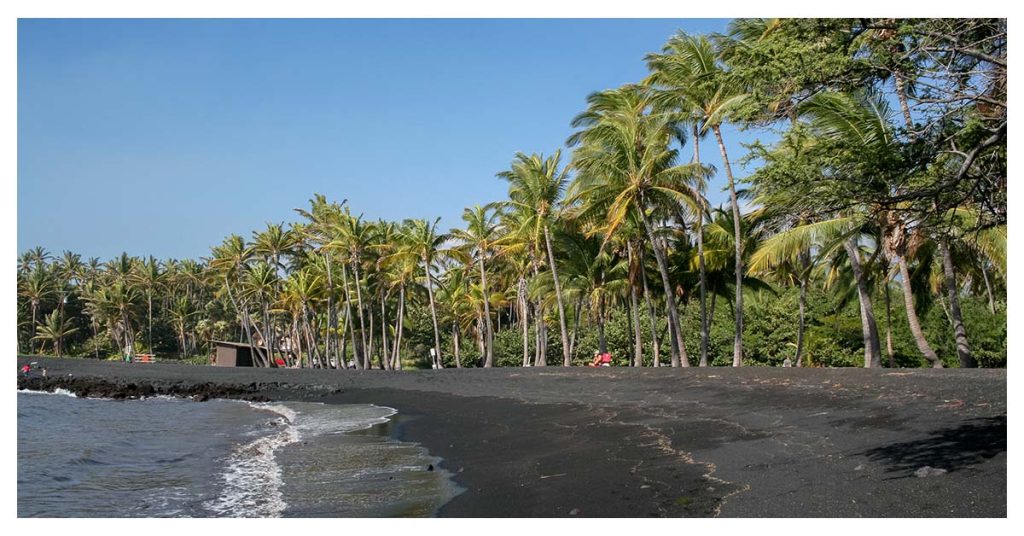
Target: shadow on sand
[950,448]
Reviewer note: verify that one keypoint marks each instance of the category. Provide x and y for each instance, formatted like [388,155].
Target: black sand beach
[749,442]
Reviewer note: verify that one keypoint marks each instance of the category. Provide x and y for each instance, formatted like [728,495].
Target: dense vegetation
[874,232]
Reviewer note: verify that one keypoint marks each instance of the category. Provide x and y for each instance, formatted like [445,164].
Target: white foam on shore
[252,479]
[57,391]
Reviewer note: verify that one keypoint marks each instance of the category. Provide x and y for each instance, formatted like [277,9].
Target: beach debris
[574,512]
[859,467]
[928,470]
[430,467]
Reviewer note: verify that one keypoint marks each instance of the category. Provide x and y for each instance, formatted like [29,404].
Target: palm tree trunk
[359,308]
[385,354]
[371,344]
[438,361]
[638,345]
[396,355]
[489,332]
[35,320]
[737,352]
[800,325]
[348,317]
[915,323]
[805,262]
[869,329]
[149,337]
[670,302]
[684,359]
[296,340]
[332,315]
[889,350]
[456,344]
[655,340]
[988,289]
[576,327]
[524,319]
[540,357]
[963,349]
[566,358]
[699,224]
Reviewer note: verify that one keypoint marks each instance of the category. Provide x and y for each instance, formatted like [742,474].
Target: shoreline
[619,442]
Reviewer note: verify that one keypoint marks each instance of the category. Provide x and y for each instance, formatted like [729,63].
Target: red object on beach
[26,369]
[606,358]
[280,362]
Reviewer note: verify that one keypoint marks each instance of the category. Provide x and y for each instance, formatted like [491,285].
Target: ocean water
[169,457]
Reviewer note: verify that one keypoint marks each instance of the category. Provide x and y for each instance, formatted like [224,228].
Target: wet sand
[749,442]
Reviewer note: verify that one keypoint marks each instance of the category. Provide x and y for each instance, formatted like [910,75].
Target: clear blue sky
[163,136]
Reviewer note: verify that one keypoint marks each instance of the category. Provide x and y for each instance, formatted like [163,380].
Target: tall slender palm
[536,185]
[479,236]
[352,237]
[148,275]
[36,288]
[228,265]
[421,241]
[695,83]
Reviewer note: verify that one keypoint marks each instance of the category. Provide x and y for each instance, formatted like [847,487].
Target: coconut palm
[536,185]
[694,82]
[478,239]
[421,241]
[627,170]
[55,330]
[148,276]
[863,124]
[35,288]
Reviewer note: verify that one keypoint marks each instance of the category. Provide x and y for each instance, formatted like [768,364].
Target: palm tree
[148,276]
[323,218]
[36,288]
[626,169]
[698,86]
[421,241]
[479,236]
[788,254]
[303,289]
[228,264]
[536,185]
[352,237]
[55,330]
[863,123]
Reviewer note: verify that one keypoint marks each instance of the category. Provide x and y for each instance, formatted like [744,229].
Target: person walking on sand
[26,369]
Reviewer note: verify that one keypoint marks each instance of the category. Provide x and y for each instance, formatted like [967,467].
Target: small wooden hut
[233,354]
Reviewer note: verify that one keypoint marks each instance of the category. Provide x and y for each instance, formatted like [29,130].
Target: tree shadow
[951,449]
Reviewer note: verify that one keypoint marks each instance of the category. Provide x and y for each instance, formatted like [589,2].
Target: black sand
[750,442]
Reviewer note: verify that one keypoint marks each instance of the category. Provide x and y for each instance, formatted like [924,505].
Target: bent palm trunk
[566,360]
[670,302]
[915,324]
[438,362]
[963,349]
[737,352]
[869,328]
